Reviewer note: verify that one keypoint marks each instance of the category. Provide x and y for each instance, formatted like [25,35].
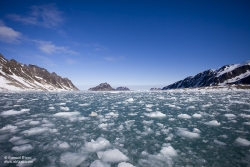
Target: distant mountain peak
[17,76]
[225,75]
[102,87]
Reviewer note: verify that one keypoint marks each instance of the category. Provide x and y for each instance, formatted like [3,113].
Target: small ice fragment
[219,142]
[64,145]
[112,155]
[169,151]
[197,115]
[130,100]
[184,116]
[125,164]
[23,148]
[97,145]
[212,123]
[72,159]
[98,163]
[93,114]
[156,114]
[242,142]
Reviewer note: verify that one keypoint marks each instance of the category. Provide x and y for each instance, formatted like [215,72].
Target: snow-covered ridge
[225,75]
[18,77]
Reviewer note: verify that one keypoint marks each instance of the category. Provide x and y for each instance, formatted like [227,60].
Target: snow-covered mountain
[225,75]
[17,76]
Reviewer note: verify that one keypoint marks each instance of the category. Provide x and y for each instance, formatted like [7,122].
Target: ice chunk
[219,142]
[184,116]
[197,115]
[242,142]
[168,151]
[85,104]
[67,114]
[34,131]
[51,108]
[112,155]
[14,112]
[98,163]
[212,123]
[156,114]
[245,115]
[64,108]
[93,114]
[23,148]
[149,105]
[97,145]
[230,115]
[64,145]
[9,128]
[186,133]
[72,159]
[196,130]
[61,104]
[34,122]
[125,164]
[130,100]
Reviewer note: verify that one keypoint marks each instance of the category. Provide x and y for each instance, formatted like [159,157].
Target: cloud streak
[47,16]
[112,58]
[49,48]
[9,35]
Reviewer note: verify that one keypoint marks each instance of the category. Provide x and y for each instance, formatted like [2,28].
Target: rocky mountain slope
[17,76]
[102,87]
[225,75]
[122,88]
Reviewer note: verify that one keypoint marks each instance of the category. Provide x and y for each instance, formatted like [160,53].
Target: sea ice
[34,122]
[97,145]
[34,131]
[186,133]
[125,164]
[168,151]
[130,100]
[13,112]
[184,116]
[112,155]
[85,104]
[242,142]
[64,145]
[98,163]
[67,114]
[245,115]
[64,108]
[72,159]
[197,115]
[212,123]
[93,114]
[23,148]
[156,114]
[9,128]
[219,142]
[230,115]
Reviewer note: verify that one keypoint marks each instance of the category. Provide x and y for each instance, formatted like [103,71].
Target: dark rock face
[226,75]
[152,89]
[32,76]
[102,87]
[122,88]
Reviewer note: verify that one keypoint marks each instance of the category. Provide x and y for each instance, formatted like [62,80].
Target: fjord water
[168,128]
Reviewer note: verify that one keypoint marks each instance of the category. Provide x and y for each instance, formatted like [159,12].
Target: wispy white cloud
[9,35]
[96,47]
[71,61]
[49,48]
[46,60]
[114,58]
[45,16]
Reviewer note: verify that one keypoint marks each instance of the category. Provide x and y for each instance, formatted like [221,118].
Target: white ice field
[125,129]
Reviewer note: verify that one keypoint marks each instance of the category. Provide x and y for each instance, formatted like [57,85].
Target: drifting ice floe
[187,134]
[14,112]
[98,163]
[112,155]
[242,142]
[212,123]
[98,145]
[67,114]
[72,159]
[156,114]
[22,148]
[184,116]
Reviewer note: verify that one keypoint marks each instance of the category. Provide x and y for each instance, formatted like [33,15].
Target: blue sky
[125,43]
